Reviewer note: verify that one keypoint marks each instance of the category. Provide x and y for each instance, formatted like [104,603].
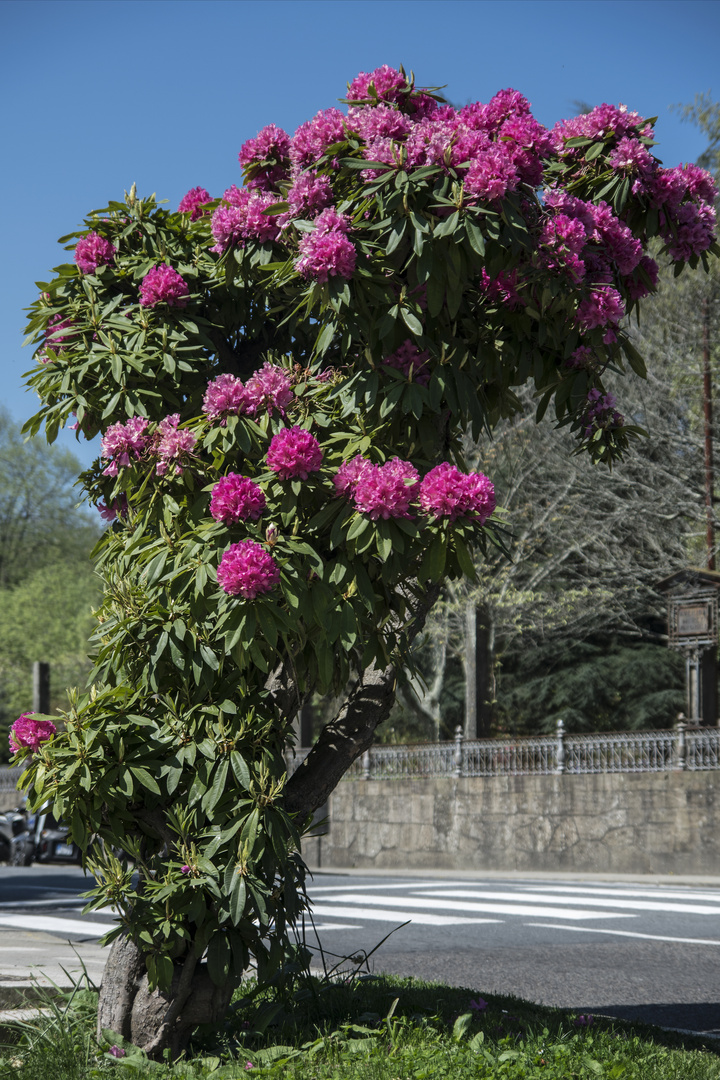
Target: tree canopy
[283,378]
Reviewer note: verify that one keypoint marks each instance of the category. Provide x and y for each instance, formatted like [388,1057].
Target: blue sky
[98,94]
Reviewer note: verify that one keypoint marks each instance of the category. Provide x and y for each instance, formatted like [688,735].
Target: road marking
[402,885]
[334,926]
[626,933]
[590,901]
[663,894]
[54,926]
[409,902]
[381,915]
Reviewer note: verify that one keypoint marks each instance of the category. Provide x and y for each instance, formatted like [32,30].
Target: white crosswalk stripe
[411,903]
[556,905]
[589,901]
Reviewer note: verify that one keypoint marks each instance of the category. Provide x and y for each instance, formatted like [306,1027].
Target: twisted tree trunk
[157,1020]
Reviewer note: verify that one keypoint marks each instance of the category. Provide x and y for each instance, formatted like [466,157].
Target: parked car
[17,845]
[51,842]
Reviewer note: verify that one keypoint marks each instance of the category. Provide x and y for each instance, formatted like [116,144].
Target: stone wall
[655,823]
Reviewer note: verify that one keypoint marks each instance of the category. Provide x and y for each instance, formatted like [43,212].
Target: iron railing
[615,752]
[679,748]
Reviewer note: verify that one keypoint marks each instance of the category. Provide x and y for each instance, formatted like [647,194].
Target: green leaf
[411,321]
[216,791]
[464,558]
[218,958]
[145,778]
[433,563]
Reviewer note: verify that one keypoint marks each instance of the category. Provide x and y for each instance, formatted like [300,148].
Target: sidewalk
[32,959]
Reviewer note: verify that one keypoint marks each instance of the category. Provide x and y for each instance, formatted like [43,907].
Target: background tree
[47,585]
[283,388]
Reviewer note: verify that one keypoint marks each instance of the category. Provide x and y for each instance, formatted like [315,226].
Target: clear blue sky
[98,94]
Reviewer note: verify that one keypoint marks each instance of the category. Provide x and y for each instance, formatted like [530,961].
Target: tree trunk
[157,1020]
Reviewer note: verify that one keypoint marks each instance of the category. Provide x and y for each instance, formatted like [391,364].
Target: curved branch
[352,731]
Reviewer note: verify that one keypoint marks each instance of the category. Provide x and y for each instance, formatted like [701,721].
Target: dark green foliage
[594,685]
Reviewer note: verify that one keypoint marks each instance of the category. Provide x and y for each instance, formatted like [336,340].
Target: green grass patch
[365,1028]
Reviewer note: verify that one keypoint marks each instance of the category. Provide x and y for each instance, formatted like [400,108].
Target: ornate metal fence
[615,752]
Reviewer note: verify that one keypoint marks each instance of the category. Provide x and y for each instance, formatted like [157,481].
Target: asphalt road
[631,949]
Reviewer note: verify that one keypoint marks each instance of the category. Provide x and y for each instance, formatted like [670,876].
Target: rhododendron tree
[282,377]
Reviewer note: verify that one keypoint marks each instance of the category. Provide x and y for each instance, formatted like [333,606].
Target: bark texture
[157,1020]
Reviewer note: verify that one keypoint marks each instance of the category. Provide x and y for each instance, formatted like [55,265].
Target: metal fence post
[681,744]
[458,755]
[560,747]
[41,687]
[366,765]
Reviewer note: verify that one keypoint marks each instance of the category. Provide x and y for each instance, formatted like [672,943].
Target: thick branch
[352,731]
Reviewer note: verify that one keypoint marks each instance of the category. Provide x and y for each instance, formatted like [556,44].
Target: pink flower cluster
[600,412]
[118,508]
[380,491]
[601,307]
[54,339]
[225,396]
[309,194]
[392,490]
[163,285]
[587,239]
[236,498]
[193,202]
[447,492]
[409,360]
[265,158]
[603,122]
[382,84]
[29,733]
[501,289]
[123,443]
[327,251]
[241,217]
[247,570]
[170,445]
[269,388]
[294,452]
[92,251]
[500,145]
[312,138]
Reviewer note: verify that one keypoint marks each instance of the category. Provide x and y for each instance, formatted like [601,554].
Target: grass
[365,1028]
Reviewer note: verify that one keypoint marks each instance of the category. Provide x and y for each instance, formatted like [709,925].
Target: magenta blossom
[600,412]
[92,251]
[294,452]
[169,444]
[192,203]
[225,396]
[386,491]
[478,1006]
[447,492]
[411,362]
[29,733]
[117,1051]
[326,254]
[601,307]
[185,869]
[269,388]
[122,444]
[312,138]
[384,83]
[247,570]
[163,285]
[348,474]
[236,498]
